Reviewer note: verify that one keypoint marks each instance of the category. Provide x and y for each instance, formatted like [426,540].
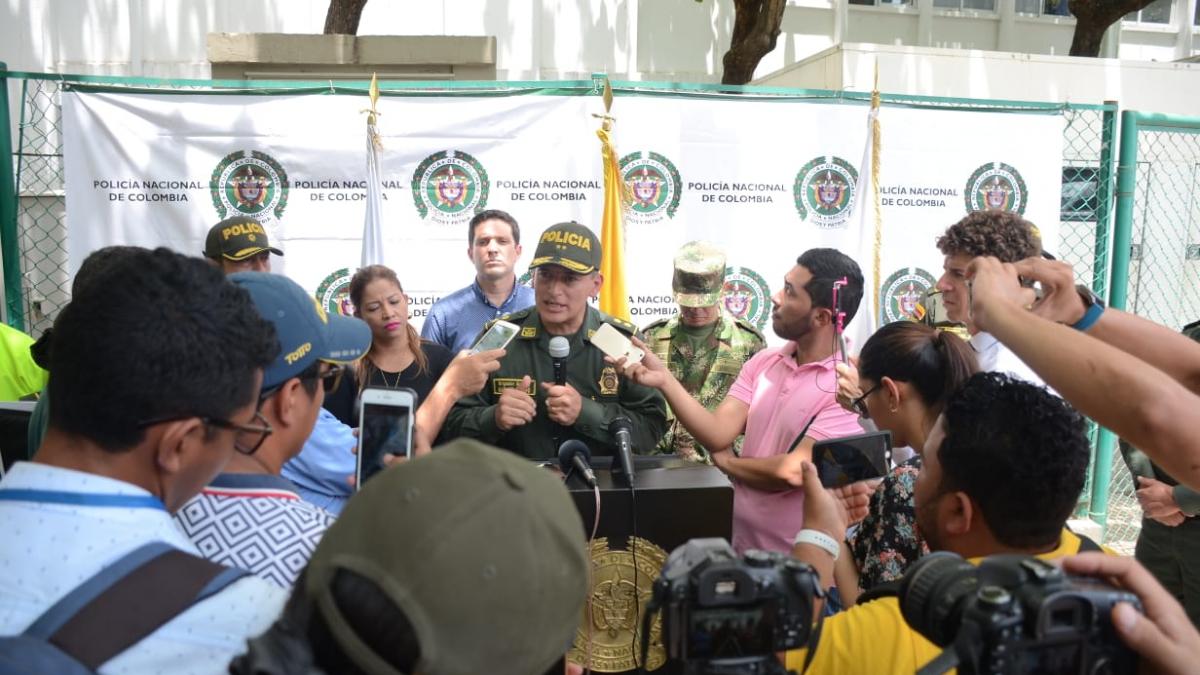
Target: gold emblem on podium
[613,613]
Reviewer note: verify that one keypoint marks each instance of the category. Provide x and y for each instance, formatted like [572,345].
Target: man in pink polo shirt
[784,397]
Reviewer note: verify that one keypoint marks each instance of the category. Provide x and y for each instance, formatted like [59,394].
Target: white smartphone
[614,343]
[385,428]
[496,337]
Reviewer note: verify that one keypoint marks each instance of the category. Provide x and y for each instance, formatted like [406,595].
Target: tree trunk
[342,16]
[1093,17]
[755,31]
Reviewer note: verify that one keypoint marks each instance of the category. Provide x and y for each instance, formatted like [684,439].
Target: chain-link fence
[1162,282]
[1087,171]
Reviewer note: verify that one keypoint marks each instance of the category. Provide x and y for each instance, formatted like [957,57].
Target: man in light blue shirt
[494,246]
[156,371]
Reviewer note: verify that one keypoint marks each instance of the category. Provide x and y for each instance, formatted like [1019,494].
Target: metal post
[1117,292]
[9,243]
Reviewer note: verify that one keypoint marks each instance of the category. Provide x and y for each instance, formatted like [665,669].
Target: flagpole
[372,240]
[876,141]
[613,299]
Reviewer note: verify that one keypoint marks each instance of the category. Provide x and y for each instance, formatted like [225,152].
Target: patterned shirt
[455,321]
[706,370]
[256,522]
[888,540]
[60,527]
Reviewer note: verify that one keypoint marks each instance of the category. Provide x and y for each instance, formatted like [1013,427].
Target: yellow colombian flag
[613,299]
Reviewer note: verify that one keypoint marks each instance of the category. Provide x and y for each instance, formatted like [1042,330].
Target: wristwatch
[1094,305]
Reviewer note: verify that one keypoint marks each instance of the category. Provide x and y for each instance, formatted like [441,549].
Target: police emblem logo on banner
[901,294]
[746,296]
[249,183]
[996,185]
[824,191]
[654,185]
[333,293]
[616,601]
[450,187]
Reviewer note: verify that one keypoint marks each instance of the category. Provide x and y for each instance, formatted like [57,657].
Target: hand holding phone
[386,428]
[496,337]
[613,343]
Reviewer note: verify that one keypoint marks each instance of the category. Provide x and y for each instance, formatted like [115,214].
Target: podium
[675,500]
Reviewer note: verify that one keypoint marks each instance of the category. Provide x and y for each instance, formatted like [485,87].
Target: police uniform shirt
[605,394]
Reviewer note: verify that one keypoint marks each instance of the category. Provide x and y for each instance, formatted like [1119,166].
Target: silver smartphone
[385,428]
[496,337]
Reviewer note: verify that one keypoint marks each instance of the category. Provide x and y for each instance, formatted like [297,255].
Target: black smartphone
[841,461]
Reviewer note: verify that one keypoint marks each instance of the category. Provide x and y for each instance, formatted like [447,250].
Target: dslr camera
[1014,614]
[722,614]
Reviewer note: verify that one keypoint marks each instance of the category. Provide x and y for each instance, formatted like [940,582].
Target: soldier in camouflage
[704,346]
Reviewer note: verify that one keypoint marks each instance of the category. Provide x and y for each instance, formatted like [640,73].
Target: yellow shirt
[873,638]
[19,375]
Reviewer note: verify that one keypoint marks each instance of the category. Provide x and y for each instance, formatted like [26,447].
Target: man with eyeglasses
[250,516]
[143,415]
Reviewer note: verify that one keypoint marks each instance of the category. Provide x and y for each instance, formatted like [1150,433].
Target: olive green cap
[482,550]
[569,245]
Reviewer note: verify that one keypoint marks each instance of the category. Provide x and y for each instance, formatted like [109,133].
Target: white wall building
[662,40]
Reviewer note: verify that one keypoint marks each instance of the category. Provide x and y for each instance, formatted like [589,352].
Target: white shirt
[49,548]
[995,357]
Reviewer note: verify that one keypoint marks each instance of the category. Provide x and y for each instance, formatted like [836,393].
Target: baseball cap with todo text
[480,549]
[307,333]
[237,238]
[569,245]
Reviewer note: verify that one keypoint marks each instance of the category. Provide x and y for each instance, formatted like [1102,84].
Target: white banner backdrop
[764,179]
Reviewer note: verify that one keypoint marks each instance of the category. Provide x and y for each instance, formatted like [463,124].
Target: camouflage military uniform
[706,373]
[605,394]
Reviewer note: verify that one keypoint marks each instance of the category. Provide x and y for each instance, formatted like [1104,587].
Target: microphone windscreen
[559,347]
[571,448]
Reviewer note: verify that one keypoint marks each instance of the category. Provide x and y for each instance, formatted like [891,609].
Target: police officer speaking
[521,408]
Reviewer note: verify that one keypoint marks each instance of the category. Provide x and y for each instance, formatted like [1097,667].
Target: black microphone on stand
[560,349]
[622,431]
[575,455]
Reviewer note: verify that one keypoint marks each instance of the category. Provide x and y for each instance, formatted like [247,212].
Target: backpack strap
[128,600]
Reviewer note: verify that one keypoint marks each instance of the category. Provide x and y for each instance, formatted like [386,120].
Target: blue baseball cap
[307,333]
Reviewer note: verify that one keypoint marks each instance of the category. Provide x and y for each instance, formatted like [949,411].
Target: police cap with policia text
[571,246]
[237,238]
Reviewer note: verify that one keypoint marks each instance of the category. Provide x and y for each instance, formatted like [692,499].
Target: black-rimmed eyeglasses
[860,403]
[247,438]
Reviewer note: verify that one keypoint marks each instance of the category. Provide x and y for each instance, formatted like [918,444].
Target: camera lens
[932,592]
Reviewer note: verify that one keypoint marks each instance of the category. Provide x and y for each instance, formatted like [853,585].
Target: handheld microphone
[574,454]
[559,350]
[622,431]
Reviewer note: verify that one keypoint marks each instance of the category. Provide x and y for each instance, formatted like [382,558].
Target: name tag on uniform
[499,384]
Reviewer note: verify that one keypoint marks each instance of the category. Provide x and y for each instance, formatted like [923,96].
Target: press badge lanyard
[82,499]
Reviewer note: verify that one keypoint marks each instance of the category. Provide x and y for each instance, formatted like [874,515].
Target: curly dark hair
[1020,452]
[149,335]
[1002,234]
